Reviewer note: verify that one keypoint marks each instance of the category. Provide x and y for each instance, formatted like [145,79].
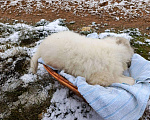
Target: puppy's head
[126,43]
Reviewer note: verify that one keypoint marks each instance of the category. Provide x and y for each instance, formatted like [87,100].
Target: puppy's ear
[119,41]
[122,41]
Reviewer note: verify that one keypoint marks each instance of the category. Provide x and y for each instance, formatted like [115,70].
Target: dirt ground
[143,23]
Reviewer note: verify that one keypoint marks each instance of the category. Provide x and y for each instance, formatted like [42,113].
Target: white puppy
[99,61]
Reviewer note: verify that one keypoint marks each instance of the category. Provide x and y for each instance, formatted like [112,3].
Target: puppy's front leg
[127,80]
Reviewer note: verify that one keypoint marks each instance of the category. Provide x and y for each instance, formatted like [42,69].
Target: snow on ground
[121,8]
[18,42]
[148,41]
[14,63]
[69,108]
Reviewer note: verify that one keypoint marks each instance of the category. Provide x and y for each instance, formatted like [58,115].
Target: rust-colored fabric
[63,81]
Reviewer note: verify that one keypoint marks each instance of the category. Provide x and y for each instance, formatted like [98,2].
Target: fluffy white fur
[99,61]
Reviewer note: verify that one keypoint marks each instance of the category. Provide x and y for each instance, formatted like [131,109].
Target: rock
[72,22]
[85,28]
[148,28]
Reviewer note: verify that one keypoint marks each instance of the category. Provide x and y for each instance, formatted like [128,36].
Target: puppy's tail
[34,62]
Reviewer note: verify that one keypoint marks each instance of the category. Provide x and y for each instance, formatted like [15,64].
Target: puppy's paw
[130,81]
[127,80]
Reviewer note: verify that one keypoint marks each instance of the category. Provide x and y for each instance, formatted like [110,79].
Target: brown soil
[141,22]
